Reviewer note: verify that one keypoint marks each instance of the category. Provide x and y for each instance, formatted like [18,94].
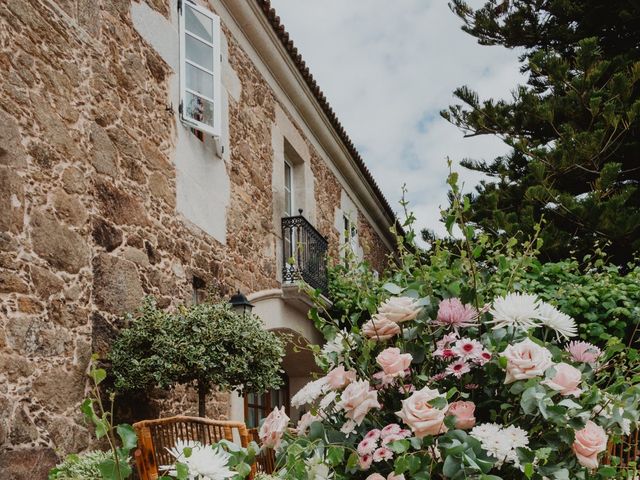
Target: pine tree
[573,128]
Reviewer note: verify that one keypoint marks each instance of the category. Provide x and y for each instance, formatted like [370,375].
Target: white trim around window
[200,68]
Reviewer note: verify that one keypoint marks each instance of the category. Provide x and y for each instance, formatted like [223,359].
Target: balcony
[304,253]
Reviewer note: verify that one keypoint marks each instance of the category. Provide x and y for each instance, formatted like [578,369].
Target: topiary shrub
[203,345]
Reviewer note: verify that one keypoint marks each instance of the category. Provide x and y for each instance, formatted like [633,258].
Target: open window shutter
[200,68]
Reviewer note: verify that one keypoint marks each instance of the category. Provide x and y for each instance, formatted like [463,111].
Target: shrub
[83,466]
[207,345]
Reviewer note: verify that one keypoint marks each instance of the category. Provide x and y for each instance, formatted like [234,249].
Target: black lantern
[240,303]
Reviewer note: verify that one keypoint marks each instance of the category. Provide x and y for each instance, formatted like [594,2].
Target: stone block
[119,206]
[27,464]
[57,244]
[106,235]
[11,200]
[116,284]
[104,156]
[59,389]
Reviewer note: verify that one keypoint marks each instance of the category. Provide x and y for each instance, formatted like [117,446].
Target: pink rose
[422,418]
[393,362]
[375,476]
[589,442]
[526,360]
[273,428]
[339,378]
[357,399]
[464,413]
[400,309]
[380,328]
[566,380]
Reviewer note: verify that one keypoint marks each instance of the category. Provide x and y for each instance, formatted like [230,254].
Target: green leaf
[98,375]
[127,436]
[393,288]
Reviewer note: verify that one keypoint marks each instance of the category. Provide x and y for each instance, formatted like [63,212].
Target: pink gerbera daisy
[458,368]
[467,348]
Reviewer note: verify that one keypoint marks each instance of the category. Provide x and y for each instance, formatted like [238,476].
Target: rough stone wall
[374,250]
[89,223]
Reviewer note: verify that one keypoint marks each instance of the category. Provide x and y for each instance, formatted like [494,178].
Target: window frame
[216,72]
[267,405]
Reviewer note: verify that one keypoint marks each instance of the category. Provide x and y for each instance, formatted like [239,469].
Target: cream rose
[566,380]
[422,418]
[273,428]
[400,309]
[339,378]
[380,328]
[357,399]
[589,442]
[526,360]
[393,362]
[464,413]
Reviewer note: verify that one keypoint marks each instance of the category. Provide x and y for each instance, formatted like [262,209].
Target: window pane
[199,80]
[199,52]
[287,203]
[198,23]
[198,109]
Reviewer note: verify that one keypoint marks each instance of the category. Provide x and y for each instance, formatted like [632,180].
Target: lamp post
[240,304]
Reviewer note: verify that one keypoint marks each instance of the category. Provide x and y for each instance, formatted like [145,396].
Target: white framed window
[350,234]
[200,68]
[288,189]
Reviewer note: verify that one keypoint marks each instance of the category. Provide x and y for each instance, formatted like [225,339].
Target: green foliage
[573,129]
[603,298]
[206,344]
[477,268]
[83,466]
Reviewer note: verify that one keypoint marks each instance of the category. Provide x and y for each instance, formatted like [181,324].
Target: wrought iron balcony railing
[304,253]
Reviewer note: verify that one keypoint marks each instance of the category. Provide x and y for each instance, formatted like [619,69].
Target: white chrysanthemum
[519,437]
[317,469]
[204,462]
[518,310]
[328,399]
[501,443]
[334,350]
[561,323]
[309,393]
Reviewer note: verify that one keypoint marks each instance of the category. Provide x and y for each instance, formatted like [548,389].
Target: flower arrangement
[221,461]
[434,388]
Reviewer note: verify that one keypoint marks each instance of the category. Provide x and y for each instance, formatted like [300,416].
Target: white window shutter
[200,68]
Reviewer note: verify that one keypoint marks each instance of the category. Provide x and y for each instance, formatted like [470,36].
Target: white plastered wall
[280,315]
[202,182]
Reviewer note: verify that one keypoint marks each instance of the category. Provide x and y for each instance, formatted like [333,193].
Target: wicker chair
[266,460]
[628,450]
[155,436]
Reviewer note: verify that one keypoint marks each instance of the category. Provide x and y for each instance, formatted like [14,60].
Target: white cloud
[388,68]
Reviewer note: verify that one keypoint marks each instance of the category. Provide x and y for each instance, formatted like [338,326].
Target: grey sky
[388,68]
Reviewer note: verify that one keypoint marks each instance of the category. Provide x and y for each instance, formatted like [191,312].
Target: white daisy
[518,310]
[204,463]
[561,323]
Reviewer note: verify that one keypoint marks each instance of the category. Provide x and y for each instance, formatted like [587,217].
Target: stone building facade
[107,195]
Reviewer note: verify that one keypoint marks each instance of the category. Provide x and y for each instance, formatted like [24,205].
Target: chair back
[628,450]
[266,459]
[156,436]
